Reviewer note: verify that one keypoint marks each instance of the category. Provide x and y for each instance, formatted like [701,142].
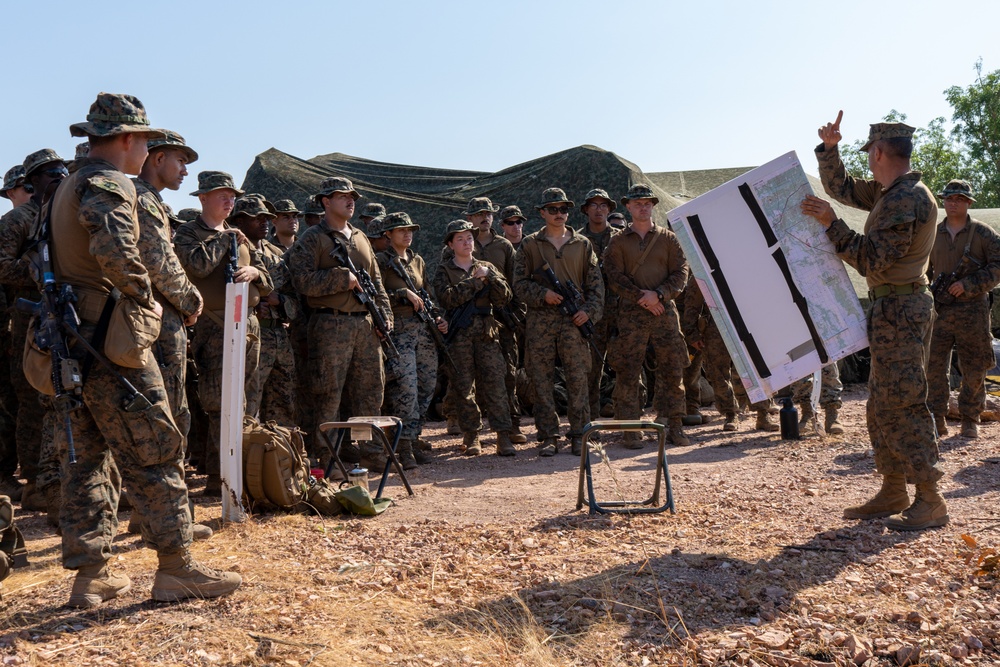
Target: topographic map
[780,296]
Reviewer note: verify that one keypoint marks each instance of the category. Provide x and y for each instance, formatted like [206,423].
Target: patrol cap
[880,131]
[398,220]
[335,184]
[209,181]
[957,187]
[113,114]
[372,210]
[39,159]
[509,212]
[188,214]
[373,229]
[598,193]
[13,178]
[173,140]
[480,205]
[456,226]
[252,205]
[554,196]
[640,191]
[286,206]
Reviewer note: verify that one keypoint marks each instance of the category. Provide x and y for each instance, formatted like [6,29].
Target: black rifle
[461,317]
[571,303]
[511,318]
[233,265]
[366,293]
[939,288]
[430,312]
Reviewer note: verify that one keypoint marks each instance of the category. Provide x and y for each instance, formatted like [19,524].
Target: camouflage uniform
[965,323]
[699,326]
[665,270]
[549,333]
[476,349]
[892,251]
[344,348]
[15,237]
[829,393]
[274,386]
[608,322]
[204,254]
[94,216]
[411,376]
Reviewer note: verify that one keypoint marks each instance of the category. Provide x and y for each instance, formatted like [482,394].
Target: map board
[780,296]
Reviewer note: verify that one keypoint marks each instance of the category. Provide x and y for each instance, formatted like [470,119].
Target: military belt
[271,323]
[896,290]
[347,313]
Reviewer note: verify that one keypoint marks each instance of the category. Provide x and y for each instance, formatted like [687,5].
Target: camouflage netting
[434,197]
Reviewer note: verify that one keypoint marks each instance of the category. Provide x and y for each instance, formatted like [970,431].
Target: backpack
[275,464]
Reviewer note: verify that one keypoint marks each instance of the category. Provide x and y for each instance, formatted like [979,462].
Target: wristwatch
[659,294]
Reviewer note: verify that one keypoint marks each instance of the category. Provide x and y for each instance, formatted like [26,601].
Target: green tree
[976,114]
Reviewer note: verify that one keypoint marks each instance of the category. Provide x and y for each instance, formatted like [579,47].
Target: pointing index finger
[836,123]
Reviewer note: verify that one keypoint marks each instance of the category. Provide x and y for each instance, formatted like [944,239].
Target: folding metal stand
[368,428]
[649,506]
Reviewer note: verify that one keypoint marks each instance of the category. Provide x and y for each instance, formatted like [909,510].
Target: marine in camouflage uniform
[43,169]
[475,349]
[370,212]
[285,226]
[702,334]
[94,231]
[344,348]
[548,332]
[410,376]
[829,399]
[647,269]
[13,184]
[966,260]
[203,246]
[892,254]
[273,385]
[597,205]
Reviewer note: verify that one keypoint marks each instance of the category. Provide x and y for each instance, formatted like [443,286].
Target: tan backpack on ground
[275,464]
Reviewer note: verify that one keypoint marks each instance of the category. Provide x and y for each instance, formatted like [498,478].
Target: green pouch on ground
[357,500]
[323,498]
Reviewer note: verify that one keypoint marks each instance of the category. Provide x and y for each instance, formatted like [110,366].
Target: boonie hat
[373,229]
[957,187]
[456,226]
[13,178]
[252,205]
[173,140]
[398,220]
[554,196]
[188,214]
[112,114]
[640,191]
[480,205]
[39,159]
[335,184]
[598,193]
[286,206]
[509,212]
[880,131]
[82,150]
[312,207]
[372,210]
[209,181]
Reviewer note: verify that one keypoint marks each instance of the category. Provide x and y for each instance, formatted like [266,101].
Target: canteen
[789,419]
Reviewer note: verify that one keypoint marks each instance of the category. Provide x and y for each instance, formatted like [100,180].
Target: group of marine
[344,319]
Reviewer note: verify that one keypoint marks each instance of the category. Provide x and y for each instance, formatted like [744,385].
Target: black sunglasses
[555,210]
[516,221]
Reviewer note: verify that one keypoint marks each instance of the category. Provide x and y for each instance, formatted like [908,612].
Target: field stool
[649,506]
[368,428]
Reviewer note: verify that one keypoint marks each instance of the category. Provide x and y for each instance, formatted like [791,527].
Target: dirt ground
[490,563]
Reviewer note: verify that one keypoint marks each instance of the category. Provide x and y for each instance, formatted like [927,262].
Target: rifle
[461,317]
[366,293]
[233,265]
[939,288]
[430,312]
[570,305]
[511,319]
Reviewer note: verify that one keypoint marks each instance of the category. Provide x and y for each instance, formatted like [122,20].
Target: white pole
[233,372]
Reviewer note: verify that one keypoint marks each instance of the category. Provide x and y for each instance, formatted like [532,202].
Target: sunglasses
[56,171]
[516,221]
[555,210]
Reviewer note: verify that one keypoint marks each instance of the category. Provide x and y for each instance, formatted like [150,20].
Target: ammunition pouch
[132,331]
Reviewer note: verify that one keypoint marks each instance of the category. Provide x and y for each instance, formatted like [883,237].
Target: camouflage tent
[434,197]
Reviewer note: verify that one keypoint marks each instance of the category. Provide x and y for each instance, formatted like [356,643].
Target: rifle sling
[644,255]
[100,333]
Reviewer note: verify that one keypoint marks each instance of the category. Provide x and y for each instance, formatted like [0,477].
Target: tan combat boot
[676,435]
[180,576]
[504,445]
[831,424]
[970,429]
[632,440]
[95,584]
[31,499]
[550,447]
[730,423]
[891,498]
[941,422]
[806,415]
[764,422]
[515,432]
[470,444]
[453,427]
[927,511]
[404,452]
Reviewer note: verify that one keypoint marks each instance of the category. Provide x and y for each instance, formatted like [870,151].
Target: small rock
[529,543]
[384,648]
[838,638]
[959,651]
[774,640]
[973,643]
[907,655]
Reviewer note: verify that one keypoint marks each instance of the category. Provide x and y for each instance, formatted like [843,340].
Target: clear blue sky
[471,85]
